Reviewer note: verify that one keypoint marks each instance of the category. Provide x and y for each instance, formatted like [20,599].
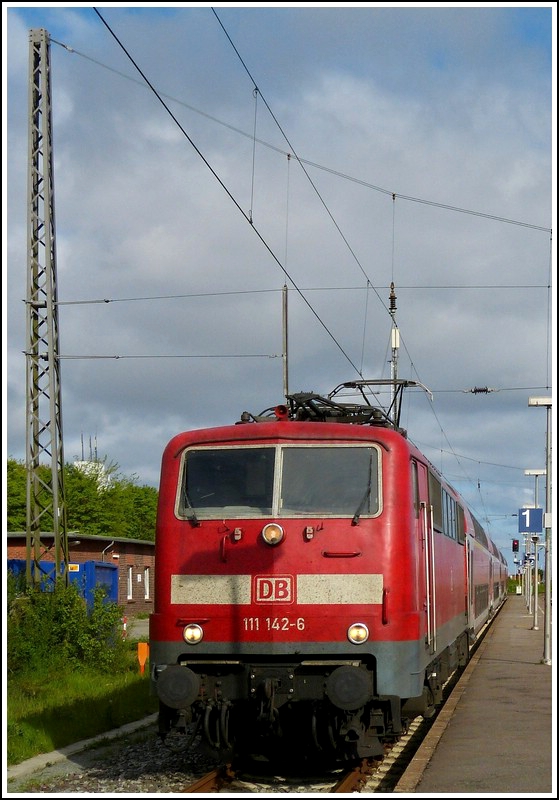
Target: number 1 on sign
[530,520]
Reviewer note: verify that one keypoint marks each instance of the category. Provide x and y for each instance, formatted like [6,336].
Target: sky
[207,156]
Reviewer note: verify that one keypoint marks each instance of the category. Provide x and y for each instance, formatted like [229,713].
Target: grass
[57,707]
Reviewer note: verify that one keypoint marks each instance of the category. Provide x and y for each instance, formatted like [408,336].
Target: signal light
[515,545]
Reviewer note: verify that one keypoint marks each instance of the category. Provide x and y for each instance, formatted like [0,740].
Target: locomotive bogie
[259,699]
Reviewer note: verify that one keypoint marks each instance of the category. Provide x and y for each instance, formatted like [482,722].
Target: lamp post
[535,540]
[536,473]
[528,569]
[547,403]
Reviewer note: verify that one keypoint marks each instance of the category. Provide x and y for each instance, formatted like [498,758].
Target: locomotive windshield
[280,481]
[228,480]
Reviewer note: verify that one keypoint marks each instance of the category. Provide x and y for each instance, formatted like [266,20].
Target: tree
[99,501]
[16,495]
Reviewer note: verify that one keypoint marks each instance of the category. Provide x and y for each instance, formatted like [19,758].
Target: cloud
[425,144]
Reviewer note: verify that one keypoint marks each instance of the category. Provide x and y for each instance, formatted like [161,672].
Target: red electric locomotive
[317,580]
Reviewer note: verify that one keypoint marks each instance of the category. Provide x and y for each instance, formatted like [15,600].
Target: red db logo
[278,589]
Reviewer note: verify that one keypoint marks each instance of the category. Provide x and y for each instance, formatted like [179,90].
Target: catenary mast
[46,507]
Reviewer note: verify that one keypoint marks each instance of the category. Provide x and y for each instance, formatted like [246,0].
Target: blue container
[88,575]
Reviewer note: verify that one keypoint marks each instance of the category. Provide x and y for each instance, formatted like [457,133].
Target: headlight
[272,533]
[358,633]
[192,634]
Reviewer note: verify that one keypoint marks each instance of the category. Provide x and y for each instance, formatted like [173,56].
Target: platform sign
[530,520]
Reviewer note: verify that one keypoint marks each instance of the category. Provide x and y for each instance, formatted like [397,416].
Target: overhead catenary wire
[256,92]
[175,355]
[318,193]
[450,287]
[394,195]
[232,198]
[322,167]
[294,153]
[249,218]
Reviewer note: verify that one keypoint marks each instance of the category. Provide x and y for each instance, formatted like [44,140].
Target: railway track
[370,775]
[213,781]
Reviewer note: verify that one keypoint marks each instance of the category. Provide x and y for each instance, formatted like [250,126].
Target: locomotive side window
[461,525]
[337,481]
[227,480]
[415,487]
[435,498]
[449,515]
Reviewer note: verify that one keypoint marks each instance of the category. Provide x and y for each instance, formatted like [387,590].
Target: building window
[130,589]
[146,583]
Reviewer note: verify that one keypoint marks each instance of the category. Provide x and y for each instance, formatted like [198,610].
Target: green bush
[71,675]
[56,627]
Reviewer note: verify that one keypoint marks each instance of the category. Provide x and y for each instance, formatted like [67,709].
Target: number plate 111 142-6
[273,624]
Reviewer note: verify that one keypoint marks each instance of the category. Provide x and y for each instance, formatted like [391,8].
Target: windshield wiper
[355,520]
[192,518]
[361,506]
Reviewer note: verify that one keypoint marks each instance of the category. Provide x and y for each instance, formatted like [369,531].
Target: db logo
[278,589]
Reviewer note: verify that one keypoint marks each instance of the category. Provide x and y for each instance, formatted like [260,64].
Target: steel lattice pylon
[46,507]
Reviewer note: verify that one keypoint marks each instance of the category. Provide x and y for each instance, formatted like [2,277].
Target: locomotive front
[270,598]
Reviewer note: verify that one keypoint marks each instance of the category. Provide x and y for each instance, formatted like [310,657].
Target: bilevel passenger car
[316,580]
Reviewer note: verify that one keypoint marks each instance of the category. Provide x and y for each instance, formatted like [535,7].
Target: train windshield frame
[287,480]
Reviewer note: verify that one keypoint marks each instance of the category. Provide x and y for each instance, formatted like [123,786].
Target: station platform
[499,734]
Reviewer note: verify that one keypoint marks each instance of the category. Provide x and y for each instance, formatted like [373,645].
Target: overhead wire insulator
[392,299]
[480,390]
